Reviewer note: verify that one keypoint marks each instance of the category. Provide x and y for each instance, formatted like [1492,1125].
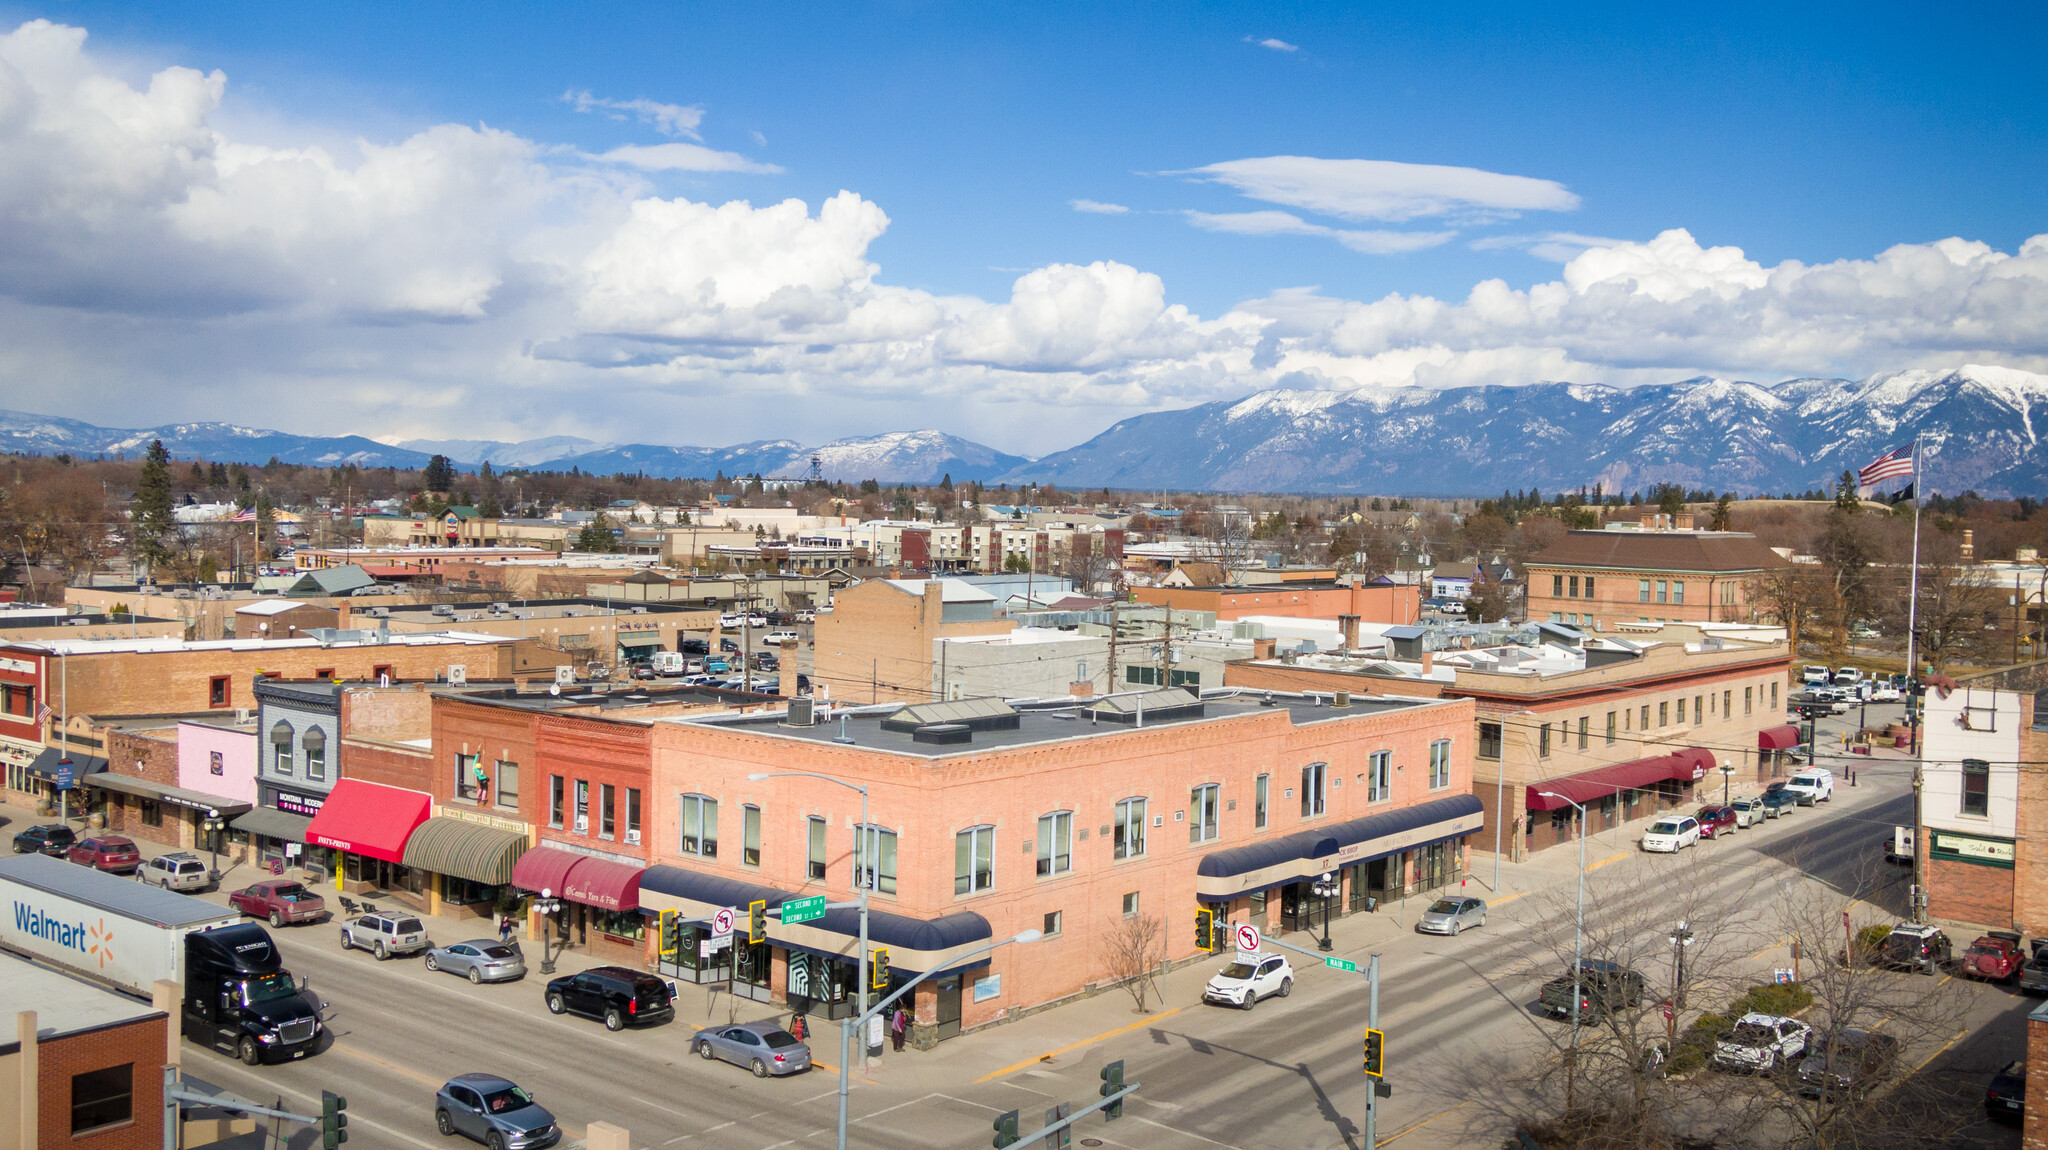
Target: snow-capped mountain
[1977,426]
[904,456]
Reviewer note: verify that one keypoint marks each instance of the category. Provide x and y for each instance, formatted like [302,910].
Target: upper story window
[281,748]
[1314,777]
[1557,586]
[1203,804]
[1489,740]
[1129,829]
[1543,741]
[314,743]
[750,836]
[1976,787]
[974,860]
[1610,728]
[699,825]
[874,864]
[1575,586]
[1677,591]
[1055,843]
[1642,590]
[1589,587]
[467,774]
[1379,776]
[814,865]
[1440,764]
[1260,790]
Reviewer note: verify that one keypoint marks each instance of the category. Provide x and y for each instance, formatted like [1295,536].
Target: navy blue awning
[51,759]
[708,890]
[1223,875]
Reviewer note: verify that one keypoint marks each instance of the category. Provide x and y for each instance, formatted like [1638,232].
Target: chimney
[341,619]
[1262,649]
[1969,546]
[1348,624]
[1428,660]
[785,684]
[1682,521]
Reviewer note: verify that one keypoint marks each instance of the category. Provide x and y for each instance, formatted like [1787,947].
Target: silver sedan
[482,959]
[762,1047]
[1451,915]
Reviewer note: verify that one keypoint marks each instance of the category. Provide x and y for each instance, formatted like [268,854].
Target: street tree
[1130,953]
[153,528]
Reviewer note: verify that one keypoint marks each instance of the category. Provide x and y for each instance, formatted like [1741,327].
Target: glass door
[949,1006]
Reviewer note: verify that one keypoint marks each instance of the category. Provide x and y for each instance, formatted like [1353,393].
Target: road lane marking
[1605,861]
[1016,1066]
[1939,1053]
[1770,948]
[1189,1133]
[1509,898]
[1412,1127]
[395,1068]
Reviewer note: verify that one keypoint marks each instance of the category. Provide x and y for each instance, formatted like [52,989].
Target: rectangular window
[1379,775]
[750,836]
[1774,695]
[1589,590]
[1610,728]
[1440,764]
[1748,694]
[1728,704]
[1489,740]
[604,811]
[815,859]
[1052,923]
[582,806]
[555,801]
[1584,722]
[880,875]
[1130,904]
[633,815]
[1055,843]
[1646,717]
[974,860]
[1260,788]
[1129,829]
[1642,590]
[1557,586]
[315,742]
[1976,787]
[1313,778]
[1203,806]
[152,813]
[508,784]
[1543,741]
[1681,710]
[101,1098]
[219,691]
[1698,715]
[700,826]
[1677,591]
[1575,586]
[1663,591]
[1663,714]
[465,776]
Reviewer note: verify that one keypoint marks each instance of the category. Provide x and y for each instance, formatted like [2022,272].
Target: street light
[1326,889]
[1727,773]
[1681,938]
[1578,952]
[213,826]
[864,861]
[547,904]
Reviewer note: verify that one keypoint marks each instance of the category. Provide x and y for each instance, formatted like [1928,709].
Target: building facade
[1980,812]
[1598,579]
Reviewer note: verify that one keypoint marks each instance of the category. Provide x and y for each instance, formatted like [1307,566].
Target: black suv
[1602,987]
[1847,1065]
[619,996]
[1911,946]
[694,647]
[51,839]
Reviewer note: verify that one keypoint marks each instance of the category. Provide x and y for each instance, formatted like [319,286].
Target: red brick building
[1663,573]
[82,1066]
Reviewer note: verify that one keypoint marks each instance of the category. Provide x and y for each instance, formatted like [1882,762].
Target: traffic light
[1113,1083]
[757,921]
[671,932]
[333,1123]
[878,968]
[1006,1130]
[1205,930]
[1375,1053]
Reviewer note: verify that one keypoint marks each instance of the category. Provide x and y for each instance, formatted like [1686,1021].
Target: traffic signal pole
[1372,1022]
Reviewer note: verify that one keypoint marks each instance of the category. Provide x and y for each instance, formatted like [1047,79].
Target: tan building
[1656,574]
[1625,730]
[283,619]
[876,645]
[1981,806]
[588,628]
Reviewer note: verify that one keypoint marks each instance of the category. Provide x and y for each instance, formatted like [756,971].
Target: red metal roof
[1687,765]
[369,819]
[1778,738]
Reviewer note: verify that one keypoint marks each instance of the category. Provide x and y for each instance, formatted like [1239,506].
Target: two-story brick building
[1657,573]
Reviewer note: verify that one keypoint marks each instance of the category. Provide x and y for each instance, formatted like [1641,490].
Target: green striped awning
[465,849]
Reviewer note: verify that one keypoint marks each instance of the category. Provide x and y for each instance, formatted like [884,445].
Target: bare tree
[1791,596]
[1131,953]
[1954,604]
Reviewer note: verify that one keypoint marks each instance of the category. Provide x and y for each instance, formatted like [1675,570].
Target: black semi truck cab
[240,1000]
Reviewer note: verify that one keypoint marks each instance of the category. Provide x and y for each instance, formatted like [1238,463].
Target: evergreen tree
[154,524]
[440,474]
[217,475]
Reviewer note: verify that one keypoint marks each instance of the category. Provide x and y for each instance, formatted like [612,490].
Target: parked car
[1849,1066]
[1816,676]
[179,871]
[1847,676]
[1672,834]
[2005,1098]
[1748,812]
[1242,983]
[694,647]
[1451,915]
[729,646]
[1600,988]
[619,996]
[780,637]
[52,839]
[1716,821]
[1996,955]
[385,933]
[762,1047]
[731,621]
[495,1112]
[1777,800]
[1812,785]
[110,853]
[479,959]
[281,900]
[1915,946]
[806,617]
[766,661]
[2034,972]
[1885,693]
[757,621]
[1762,1043]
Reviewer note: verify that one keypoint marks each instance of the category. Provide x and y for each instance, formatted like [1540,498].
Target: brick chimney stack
[1348,624]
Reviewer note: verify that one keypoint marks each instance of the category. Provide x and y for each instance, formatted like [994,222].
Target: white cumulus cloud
[1386,190]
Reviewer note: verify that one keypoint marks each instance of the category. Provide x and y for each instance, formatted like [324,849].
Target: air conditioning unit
[632,838]
[565,675]
[458,674]
[582,824]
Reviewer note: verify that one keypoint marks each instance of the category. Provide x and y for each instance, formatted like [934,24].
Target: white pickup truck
[1762,1043]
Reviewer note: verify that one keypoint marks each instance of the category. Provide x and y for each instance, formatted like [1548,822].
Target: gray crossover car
[385,934]
[481,959]
[762,1047]
[179,871]
[495,1112]
[1451,915]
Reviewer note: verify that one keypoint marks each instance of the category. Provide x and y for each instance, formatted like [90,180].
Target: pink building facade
[218,760]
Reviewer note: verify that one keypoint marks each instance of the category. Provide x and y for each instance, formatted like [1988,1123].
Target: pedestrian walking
[898,1023]
[799,1027]
[505,928]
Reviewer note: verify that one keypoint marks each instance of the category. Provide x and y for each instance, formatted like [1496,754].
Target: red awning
[604,884]
[1691,764]
[542,869]
[1778,738]
[369,819]
[1601,782]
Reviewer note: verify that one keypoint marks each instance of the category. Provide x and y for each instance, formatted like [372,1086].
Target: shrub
[1697,1043]
[1773,998]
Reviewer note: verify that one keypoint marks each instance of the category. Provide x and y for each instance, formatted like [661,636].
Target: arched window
[314,743]
[281,745]
[974,860]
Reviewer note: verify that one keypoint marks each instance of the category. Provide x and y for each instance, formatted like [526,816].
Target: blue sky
[1817,135]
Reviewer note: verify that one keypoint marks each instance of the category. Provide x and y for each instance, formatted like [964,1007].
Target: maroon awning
[542,869]
[1691,764]
[1778,738]
[1601,782]
[604,884]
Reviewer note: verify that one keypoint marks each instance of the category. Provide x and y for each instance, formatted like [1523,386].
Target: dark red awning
[1691,764]
[1688,765]
[541,869]
[1778,738]
[604,884]
[369,819]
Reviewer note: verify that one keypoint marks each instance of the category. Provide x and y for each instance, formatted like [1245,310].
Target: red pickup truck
[1997,956]
[281,900]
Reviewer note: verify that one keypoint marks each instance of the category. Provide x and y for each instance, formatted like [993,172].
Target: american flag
[1891,465]
[43,712]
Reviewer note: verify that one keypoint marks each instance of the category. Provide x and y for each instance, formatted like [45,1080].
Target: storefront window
[462,890]
[152,813]
[752,964]
[627,924]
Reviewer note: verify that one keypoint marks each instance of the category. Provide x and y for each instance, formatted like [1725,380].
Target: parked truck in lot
[238,997]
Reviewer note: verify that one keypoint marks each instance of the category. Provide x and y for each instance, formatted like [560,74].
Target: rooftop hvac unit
[801,713]
[380,612]
[458,675]
[445,609]
[565,674]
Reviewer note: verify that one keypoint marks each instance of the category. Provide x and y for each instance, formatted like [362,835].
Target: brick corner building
[1654,573]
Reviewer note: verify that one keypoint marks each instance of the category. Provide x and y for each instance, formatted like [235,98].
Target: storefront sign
[293,803]
[1970,848]
[482,820]
[18,666]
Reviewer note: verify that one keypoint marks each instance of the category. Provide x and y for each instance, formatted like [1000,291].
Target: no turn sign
[721,922]
[1247,938]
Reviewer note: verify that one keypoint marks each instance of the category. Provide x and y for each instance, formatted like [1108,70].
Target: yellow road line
[1939,1053]
[1770,948]
[1605,861]
[1509,898]
[1016,1066]
[1412,1127]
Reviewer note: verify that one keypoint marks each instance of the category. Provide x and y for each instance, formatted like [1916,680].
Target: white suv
[1250,978]
[1672,834]
[1812,785]
[385,933]
[1763,1043]
[175,872]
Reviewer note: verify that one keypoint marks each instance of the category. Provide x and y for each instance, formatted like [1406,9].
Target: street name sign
[1345,964]
[803,909]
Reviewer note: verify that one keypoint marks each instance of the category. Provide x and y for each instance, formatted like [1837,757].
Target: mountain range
[1976,424]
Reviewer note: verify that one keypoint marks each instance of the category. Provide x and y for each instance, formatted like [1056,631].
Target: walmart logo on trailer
[95,941]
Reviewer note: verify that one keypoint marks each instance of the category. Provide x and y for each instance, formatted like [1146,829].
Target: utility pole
[1372,1022]
[1110,687]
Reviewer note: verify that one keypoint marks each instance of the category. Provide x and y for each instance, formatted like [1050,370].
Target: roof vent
[943,734]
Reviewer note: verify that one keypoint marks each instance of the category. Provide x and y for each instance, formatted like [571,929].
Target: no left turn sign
[721,923]
[1247,938]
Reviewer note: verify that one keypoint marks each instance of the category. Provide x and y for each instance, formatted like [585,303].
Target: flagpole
[1913,698]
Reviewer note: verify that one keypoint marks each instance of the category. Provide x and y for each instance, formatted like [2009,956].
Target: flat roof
[640,696]
[64,1004]
[368,638]
[1065,719]
[118,896]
